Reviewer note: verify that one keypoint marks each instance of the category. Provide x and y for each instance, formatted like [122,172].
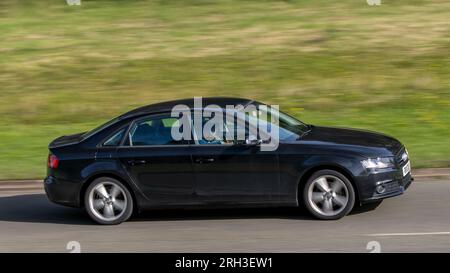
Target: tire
[328,195]
[108,201]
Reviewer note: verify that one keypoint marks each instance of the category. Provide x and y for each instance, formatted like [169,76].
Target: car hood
[367,142]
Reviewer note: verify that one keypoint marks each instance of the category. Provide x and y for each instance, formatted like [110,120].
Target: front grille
[391,187]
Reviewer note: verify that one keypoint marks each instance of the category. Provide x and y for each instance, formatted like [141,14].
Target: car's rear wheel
[108,201]
[328,195]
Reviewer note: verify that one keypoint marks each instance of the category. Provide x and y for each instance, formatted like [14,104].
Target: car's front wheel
[328,195]
[108,201]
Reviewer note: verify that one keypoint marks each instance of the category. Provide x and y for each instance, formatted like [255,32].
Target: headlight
[378,163]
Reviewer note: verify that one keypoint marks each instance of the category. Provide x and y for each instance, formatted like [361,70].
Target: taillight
[53,162]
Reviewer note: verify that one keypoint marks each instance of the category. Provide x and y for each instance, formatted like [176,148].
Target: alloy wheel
[108,201]
[328,195]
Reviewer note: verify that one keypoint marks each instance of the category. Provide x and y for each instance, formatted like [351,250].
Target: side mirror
[253,141]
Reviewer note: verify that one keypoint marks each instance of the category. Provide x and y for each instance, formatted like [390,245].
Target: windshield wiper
[309,128]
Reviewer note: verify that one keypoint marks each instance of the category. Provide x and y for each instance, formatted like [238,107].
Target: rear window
[100,128]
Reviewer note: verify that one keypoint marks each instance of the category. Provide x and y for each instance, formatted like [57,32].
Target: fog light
[380,189]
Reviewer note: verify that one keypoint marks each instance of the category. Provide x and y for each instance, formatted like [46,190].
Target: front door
[233,172]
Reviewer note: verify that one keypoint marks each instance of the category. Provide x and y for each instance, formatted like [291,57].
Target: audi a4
[134,163]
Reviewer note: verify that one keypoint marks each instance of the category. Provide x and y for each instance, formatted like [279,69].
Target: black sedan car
[133,163]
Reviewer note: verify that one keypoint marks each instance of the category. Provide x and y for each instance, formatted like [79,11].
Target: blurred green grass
[65,69]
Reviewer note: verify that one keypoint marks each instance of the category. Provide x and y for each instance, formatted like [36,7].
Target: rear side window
[154,131]
[115,139]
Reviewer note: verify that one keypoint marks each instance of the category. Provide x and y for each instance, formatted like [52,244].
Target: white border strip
[411,234]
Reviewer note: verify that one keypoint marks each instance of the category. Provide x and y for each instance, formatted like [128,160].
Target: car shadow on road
[222,214]
[365,208]
[237,213]
[36,208]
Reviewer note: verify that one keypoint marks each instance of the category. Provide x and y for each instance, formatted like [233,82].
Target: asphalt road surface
[418,221]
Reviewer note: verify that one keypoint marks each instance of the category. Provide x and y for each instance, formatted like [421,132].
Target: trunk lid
[66,140]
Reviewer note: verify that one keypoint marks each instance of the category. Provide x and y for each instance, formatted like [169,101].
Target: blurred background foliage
[65,69]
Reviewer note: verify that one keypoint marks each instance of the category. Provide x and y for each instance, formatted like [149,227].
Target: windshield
[292,124]
[288,126]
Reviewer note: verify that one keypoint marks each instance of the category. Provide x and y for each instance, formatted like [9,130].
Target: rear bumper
[62,192]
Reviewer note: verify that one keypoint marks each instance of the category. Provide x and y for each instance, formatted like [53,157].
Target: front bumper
[393,181]
[62,192]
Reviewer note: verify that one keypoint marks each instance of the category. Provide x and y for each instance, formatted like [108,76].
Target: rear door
[158,164]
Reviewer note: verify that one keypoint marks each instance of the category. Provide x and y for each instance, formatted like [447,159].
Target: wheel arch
[340,169]
[109,175]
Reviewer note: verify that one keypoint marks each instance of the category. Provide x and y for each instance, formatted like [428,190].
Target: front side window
[228,132]
[258,124]
[217,135]
[154,131]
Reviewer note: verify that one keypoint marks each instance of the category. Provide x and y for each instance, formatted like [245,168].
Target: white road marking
[431,175]
[411,234]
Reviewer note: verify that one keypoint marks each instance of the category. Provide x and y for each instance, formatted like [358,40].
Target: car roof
[168,105]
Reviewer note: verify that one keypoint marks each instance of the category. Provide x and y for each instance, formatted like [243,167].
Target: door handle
[204,160]
[136,162]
